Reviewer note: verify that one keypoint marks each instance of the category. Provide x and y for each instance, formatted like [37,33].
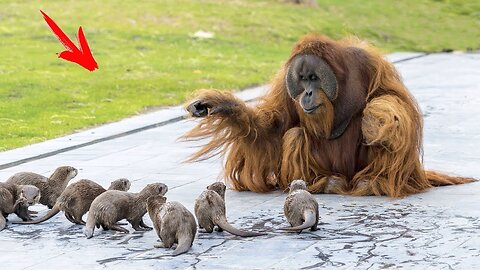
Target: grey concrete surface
[438,229]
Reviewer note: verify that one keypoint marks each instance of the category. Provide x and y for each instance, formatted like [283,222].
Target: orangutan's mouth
[311,110]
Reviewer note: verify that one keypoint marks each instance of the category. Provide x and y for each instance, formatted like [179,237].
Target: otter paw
[140,229]
[159,245]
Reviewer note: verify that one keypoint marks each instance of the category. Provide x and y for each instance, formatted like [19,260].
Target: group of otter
[172,221]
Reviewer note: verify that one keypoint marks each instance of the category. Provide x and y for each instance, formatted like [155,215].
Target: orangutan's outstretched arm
[226,119]
[249,137]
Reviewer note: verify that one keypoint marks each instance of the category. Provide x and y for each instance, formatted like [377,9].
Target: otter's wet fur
[173,223]
[114,205]
[50,188]
[210,211]
[76,199]
[300,208]
[12,197]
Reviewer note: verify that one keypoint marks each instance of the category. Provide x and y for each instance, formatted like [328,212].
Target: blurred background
[155,53]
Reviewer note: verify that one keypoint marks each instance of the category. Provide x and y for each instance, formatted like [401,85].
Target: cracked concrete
[438,229]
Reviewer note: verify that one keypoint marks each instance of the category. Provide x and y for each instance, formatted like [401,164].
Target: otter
[50,188]
[122,184]
[114,205]
[12,197]
[300,208]
[76,199]
[210,211]
[173,223]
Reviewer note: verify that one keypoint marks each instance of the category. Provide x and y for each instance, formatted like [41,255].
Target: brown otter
[77,198]
[114,205]
[300,208]
[173,223]
[12,196]
[50,188]
[210,211]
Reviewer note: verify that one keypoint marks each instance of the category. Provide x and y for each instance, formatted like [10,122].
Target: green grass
[148,59]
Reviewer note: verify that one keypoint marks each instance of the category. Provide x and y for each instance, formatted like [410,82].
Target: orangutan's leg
[362,187]
[297,163]
[335,185]
[329,185]
[295,157]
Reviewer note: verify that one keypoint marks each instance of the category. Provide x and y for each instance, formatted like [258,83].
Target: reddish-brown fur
[275,142]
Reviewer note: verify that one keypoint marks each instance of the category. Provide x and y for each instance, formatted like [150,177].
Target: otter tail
[90,226]
[184,244]
[440,179]
[310,219]
[223,223]
[52,212]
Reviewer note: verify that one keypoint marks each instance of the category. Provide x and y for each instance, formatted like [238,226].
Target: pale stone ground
[439,229]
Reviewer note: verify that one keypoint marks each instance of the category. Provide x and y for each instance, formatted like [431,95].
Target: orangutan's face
[310,81]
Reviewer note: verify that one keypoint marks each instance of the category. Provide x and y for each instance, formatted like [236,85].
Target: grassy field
[148,59]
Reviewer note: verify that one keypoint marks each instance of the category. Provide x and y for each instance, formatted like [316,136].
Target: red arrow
[82,56]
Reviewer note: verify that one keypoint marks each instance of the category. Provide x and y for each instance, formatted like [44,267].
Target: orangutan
[337,115]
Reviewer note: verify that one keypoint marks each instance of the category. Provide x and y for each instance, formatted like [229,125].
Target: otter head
[298,184]
[155,202]
[29,195]
[64,173]
[155,189]
[122,184]
[219,188]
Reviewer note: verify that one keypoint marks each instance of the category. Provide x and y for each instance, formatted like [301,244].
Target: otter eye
[313,77]
[302,78]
